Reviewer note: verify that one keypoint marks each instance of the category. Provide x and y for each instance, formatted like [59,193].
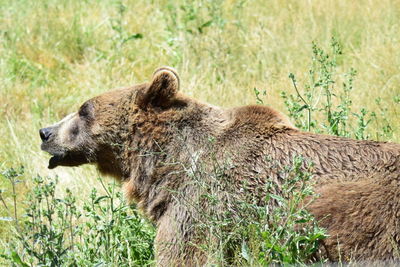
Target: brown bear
[156,141]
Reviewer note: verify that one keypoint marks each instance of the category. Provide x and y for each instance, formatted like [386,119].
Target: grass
[57,54]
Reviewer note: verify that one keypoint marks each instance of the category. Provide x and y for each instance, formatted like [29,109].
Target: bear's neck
[109,163]
[160,149]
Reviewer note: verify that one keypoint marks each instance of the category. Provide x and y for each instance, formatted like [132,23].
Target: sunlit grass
[55,55]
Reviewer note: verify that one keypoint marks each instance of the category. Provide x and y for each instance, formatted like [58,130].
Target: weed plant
[107,232]
[325,106]
[54,231]
[248,223]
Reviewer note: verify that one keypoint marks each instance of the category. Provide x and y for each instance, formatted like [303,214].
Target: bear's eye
[85,111]
[75,130]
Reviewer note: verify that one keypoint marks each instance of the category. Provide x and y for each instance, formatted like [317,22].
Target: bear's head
[88,136]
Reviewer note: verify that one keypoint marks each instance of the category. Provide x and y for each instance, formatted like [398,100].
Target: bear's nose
[45,133]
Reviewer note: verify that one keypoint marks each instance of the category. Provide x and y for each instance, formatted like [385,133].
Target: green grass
[57,54]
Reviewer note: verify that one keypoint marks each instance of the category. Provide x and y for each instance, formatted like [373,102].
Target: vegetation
[276,229]
[56,232]
[57,54]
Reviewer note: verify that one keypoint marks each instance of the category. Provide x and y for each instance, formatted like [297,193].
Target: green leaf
[204,25]
[133,37]
[245,251]
[15,257]
[302,107]
[100,199]
[278,198]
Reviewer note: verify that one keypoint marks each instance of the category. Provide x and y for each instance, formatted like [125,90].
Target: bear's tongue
[53,162]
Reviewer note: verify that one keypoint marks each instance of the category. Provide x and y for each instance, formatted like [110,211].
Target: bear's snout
[45,133]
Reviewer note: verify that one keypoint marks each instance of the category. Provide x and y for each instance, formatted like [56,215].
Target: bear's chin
[66,160]
[54,161]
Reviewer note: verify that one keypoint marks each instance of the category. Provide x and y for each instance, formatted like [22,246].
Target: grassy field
[57,54]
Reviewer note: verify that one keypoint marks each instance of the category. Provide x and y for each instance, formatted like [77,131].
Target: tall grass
[56,54]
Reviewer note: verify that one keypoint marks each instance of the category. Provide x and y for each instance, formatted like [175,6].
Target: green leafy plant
[115,230]
[50,230]
[55,232]
[326,98]
[13,176]
[277,229]
[285,232]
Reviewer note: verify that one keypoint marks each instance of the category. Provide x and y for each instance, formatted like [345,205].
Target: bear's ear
[162,89]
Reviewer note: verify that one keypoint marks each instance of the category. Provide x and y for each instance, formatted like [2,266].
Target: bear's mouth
[57,154]
[55,160]
[70,159]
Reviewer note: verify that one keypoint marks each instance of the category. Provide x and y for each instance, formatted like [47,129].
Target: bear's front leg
[175,243]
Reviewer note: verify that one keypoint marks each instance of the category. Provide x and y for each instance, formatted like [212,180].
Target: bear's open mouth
[67,159]
[54,161]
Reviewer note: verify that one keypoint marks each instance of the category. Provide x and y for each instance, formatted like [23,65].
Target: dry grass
[55,55]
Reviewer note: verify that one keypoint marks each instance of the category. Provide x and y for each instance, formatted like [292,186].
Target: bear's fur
[154,140]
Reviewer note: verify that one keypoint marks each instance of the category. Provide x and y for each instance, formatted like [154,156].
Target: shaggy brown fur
[154,140]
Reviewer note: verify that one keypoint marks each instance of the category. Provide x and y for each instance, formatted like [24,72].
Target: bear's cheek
[96,129]
[64,137]
[70,132]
